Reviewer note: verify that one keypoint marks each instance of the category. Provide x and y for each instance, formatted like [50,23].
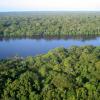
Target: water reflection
[58,37]
[31,46]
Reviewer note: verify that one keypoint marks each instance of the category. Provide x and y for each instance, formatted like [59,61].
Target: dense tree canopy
[50,24]
[61,74]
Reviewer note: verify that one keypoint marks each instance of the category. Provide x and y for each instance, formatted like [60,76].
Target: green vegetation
[61,74]
[50,24]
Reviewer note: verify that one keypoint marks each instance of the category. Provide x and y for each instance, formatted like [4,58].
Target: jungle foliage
[50,24]
[61,74]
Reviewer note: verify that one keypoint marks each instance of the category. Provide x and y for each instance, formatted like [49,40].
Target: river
[24,47]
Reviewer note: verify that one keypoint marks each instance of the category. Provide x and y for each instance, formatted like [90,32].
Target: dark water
[34,46]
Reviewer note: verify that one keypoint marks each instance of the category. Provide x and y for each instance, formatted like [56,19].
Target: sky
[49,5]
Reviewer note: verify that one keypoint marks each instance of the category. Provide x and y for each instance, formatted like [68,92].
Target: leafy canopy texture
[50,24]
[61,74]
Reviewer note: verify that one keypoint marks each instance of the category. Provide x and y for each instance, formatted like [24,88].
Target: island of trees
[78,23]
[61,74]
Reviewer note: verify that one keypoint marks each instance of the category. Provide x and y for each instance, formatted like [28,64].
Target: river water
[33,46]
